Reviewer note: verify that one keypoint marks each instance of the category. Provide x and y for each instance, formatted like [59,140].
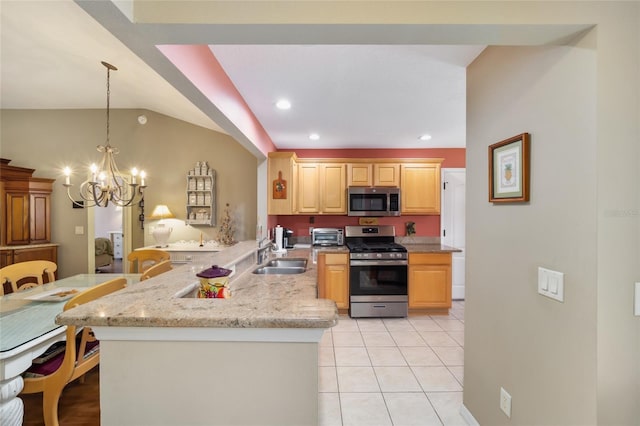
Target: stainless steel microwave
[373,201]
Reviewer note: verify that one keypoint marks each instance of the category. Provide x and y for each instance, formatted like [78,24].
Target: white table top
[23,320]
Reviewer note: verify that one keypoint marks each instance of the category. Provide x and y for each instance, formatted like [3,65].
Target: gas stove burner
[376,248]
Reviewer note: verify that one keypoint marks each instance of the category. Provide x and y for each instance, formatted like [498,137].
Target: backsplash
[425,226]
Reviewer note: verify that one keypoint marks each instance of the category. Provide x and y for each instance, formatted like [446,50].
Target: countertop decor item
[225,234]
[106,184]
[214,283]
[509,170]
[410,228]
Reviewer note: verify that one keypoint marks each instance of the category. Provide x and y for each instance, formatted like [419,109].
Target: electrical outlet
[505,402]
[310,230]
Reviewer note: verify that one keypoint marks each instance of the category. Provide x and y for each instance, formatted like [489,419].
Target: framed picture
[509,170]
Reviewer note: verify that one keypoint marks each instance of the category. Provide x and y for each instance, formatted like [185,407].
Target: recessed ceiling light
[425,137]
[283,104]
[314,136]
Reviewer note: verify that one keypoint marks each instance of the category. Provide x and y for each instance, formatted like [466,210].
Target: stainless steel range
[377,272]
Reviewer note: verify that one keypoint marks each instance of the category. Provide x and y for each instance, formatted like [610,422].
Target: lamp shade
[161,211]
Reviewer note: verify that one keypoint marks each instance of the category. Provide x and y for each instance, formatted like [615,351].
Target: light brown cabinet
[333,278]
[420,188]
[281,175]
[26,209]
[429,280]
[321,188]
[373,174]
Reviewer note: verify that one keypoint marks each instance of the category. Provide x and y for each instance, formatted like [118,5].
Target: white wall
[541,351]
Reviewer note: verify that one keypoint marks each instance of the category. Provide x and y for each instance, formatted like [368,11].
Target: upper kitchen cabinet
[26,209]
[420,187]
[373,174]
[281,175]
[321,188]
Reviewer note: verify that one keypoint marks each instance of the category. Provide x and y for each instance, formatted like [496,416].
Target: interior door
[452,223]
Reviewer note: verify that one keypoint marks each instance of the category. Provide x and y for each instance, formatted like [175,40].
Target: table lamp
[161,232]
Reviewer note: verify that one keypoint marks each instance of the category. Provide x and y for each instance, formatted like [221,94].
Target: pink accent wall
[198,64]
[426,226]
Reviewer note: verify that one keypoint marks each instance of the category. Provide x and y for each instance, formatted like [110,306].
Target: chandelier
[106,184]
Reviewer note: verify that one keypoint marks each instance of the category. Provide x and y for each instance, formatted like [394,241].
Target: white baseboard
[467,416]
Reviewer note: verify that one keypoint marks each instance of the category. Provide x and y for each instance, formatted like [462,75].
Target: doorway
[113,223]
[452,225]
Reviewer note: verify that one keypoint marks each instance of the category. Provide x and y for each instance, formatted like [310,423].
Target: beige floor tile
[438,338]
[329,409]
[371,324]
[386,356]
[325,356]
[396,379]
[398,324]
[345,323]
[447,405]
[347,338]
[458,372]
[450,324]
[376,338]
[458,336]
[408,338]
[357,379]
[420,356]
[351,356]
[411,409]
[327,339]
[450,355]
[364,409]
[425,324]
[327,379]
[435,379]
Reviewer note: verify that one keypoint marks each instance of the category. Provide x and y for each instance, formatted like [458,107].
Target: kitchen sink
[290,262]
[279,270]
[283,266]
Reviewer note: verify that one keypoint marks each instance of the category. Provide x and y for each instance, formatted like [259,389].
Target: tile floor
[405,371]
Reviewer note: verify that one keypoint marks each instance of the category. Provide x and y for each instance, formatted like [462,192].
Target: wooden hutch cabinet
[25,223]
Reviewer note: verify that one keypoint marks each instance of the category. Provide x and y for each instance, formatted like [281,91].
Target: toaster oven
[327,237]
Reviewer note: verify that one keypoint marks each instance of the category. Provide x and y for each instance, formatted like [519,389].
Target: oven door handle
[378,263]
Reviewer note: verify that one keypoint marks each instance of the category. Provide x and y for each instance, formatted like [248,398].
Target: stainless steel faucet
[263,251]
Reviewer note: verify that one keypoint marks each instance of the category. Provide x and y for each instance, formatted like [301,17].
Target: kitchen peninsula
[170,358]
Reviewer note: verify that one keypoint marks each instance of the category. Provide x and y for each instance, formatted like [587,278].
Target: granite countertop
[257,301]
[430,248]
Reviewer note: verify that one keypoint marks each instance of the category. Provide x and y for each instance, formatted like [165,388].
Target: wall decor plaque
[280,187]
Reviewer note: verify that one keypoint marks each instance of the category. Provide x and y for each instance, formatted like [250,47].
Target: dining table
[28,328]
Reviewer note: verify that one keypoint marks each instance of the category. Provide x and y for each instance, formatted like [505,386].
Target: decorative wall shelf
[201,194]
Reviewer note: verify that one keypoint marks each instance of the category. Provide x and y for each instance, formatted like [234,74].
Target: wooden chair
[141,260]
[156,269]
[72,365]
[32,271]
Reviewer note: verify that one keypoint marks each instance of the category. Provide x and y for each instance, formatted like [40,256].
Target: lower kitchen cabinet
[429,280]
[333,278]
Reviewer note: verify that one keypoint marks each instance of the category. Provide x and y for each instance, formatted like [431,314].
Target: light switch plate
[551,284]
[79,230]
